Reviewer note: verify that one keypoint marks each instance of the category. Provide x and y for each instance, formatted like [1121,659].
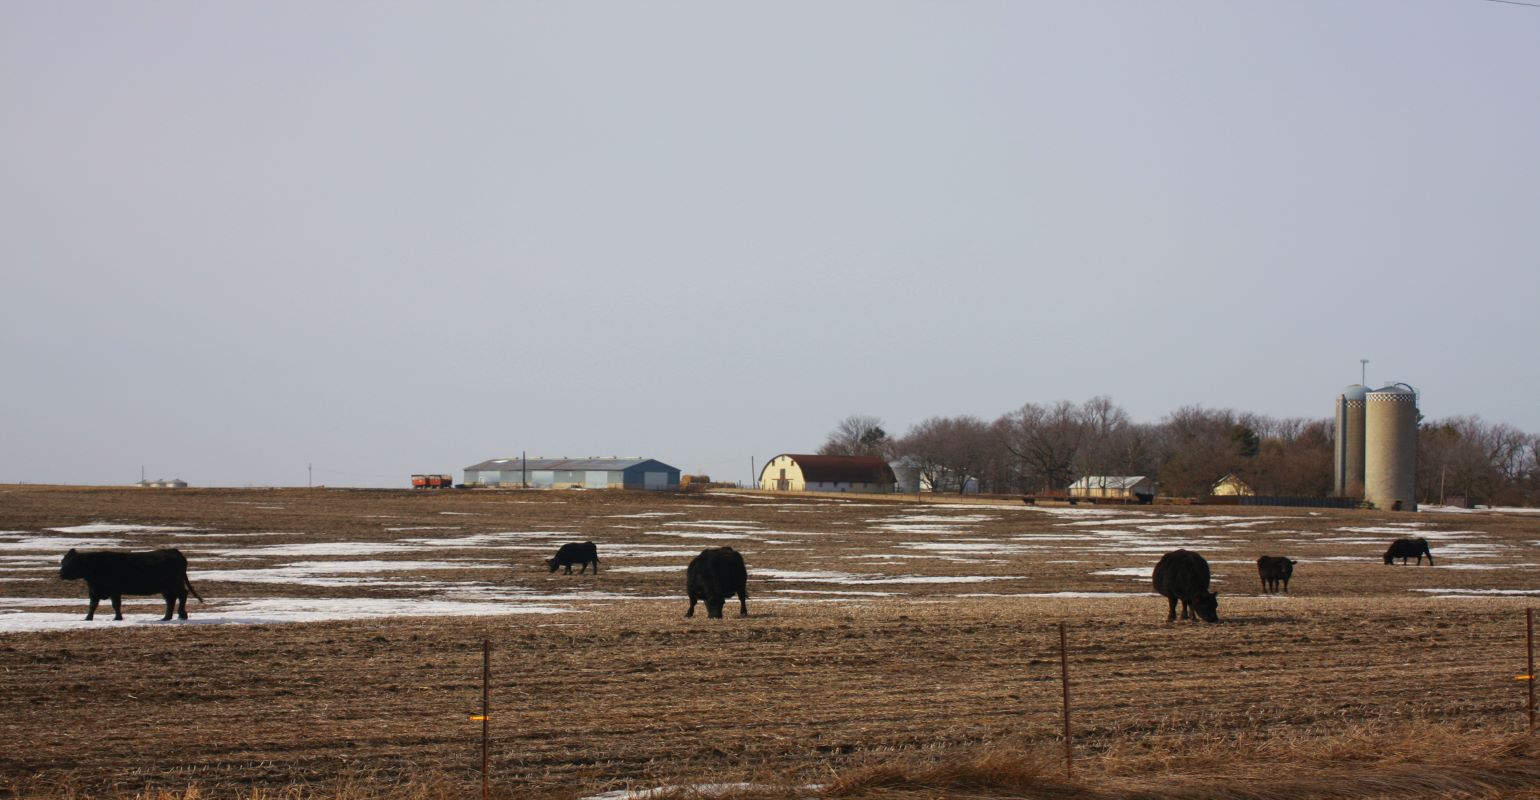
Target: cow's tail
[188,583]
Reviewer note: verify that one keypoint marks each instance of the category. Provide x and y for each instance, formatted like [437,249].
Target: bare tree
[857,435]
[1199,446]
[948,451]
[1046,440]
[1467,456]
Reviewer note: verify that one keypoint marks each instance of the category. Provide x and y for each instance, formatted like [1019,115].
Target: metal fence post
[486,716]
[1069,752]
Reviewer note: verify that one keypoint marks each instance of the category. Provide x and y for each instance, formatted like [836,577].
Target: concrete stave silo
[1390,447]
[1348,449]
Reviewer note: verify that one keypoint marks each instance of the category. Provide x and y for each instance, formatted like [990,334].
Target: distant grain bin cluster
[1375,456]
[162,483]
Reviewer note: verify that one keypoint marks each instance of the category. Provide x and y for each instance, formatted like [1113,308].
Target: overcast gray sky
[237,238]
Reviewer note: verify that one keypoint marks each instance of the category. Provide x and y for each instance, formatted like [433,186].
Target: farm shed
[791,472]
[1232,486]
[1114,487]
[574,473]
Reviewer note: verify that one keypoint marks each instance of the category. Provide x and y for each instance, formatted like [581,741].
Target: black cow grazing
[575,553]
[1406,548]
[1183,575]
[1275,570]
[109,574]
[713,576]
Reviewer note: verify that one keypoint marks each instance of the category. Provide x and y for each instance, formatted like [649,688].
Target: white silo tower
[1348,451]
[1390,447]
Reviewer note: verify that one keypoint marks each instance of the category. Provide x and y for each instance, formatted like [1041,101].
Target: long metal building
[574,473]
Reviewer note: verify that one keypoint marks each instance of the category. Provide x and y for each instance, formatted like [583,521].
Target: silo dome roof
[1395,388]
[1355,391]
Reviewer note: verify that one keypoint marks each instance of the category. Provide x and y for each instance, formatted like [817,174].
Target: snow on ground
[702,535]
[315,549]
[273,610]
[1477,592]
[54,544]
[918,534]
[717,523]
[113,527]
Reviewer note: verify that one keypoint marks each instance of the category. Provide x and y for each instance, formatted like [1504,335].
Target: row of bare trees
[1044,448]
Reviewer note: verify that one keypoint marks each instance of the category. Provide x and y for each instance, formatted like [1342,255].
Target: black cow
[1183,575]
[110,574]
[1275,570]
[713,576]
[575,553]
[1406,548]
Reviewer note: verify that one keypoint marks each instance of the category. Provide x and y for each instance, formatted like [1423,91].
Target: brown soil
[629,693]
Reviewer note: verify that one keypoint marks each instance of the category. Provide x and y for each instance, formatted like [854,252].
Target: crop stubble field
[879,632]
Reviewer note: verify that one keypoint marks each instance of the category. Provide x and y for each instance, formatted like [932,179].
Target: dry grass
[1355,687]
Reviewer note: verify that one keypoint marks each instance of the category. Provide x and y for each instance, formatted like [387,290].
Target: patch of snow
[1140,572]
[1478,592]
[114,527]
[58,544]
[277,610]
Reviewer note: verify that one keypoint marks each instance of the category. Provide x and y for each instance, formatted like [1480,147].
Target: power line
[1515,3]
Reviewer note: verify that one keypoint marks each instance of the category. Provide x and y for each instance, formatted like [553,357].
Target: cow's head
[69,566]
[1390,555]
[714,607]
[551,562]
[1207,606]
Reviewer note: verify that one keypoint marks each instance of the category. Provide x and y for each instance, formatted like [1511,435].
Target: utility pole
[309,476]
[753,479]
[523,469]
[1363,371]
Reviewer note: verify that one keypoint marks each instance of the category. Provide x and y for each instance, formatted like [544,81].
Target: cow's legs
[1171,615]
[181,606]
[583,570]
[596,565]
[170,606]
[743,603]
[691,611]
[1184,608]
[569,569]
[91,612]
[117,606]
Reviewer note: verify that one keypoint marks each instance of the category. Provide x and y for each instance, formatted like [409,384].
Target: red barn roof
[842,469]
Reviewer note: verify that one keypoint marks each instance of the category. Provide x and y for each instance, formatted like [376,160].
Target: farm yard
[891,649]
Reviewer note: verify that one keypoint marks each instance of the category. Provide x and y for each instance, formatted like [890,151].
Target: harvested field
[891,650]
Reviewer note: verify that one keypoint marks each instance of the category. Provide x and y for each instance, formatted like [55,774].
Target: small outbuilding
[574,473]
[791,472]
[1232,486]
[1132,488]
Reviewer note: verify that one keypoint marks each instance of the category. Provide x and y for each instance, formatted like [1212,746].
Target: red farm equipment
[433,482]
